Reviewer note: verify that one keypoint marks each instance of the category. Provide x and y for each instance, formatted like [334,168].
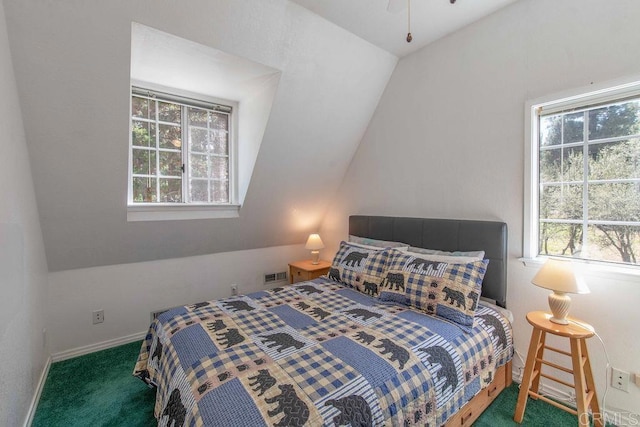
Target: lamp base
[315,257]
[559,303]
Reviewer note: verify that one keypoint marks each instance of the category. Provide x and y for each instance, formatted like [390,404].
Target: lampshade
[558,275]
[314,242]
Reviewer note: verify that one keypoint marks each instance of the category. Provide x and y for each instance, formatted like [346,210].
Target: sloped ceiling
[384,22]
[72,65]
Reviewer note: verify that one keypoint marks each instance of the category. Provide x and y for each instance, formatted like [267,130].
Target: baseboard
[31,412]
[551,391]
[91,348]
[611,416]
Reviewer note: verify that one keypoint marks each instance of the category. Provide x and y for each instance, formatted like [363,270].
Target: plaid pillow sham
[353,263]
[444,289]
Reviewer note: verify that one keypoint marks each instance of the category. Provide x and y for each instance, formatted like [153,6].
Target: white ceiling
[430,19]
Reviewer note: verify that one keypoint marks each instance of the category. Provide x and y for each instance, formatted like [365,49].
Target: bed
[326,352]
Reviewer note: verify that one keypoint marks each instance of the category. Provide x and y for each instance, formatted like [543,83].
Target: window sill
[172,212]
[593,268]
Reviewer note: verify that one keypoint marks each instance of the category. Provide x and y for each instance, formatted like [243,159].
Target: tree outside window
[180,152]
[589,182]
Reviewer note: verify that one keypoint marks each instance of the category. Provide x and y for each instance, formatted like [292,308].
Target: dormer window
[197,119]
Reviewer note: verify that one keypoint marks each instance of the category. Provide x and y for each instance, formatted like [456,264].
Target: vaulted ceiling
[72,64]
[384,23]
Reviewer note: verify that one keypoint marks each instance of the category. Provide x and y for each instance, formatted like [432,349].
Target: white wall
[447,140]
[128,293]
[23,266]
[72,62]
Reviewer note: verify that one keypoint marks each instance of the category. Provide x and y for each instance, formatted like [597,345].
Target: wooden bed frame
[453,235]
[473,408]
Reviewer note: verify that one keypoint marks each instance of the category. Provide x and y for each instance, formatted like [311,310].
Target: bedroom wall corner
[23,267]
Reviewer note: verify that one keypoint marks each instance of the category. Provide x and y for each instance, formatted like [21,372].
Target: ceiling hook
[409,36]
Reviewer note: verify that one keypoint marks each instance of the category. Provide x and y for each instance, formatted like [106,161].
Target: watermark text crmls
[616,418]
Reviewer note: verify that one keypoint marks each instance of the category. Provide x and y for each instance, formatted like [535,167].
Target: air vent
[155,314]
[275,277]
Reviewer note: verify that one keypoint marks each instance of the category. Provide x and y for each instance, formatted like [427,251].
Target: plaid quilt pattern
[500,333]
[257,360]
[332,414]
[412,385]
[407,333]
[279,296]
[331,301]
[318,371]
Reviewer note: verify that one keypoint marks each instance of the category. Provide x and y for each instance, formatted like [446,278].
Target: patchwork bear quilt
[316,353]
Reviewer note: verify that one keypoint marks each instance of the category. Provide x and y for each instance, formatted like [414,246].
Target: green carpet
[537,413]
[98,390]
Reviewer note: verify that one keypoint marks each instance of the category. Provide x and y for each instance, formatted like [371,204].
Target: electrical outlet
[234,290]
[98,316]
[620,379]
[637,379]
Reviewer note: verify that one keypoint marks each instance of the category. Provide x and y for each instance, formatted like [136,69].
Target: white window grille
[584,197]
[180,151]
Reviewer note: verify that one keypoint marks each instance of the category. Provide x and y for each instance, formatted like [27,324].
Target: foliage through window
[589,181]
[180,151]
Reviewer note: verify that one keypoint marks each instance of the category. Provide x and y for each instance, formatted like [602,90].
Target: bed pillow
[354,262]
[479,255]
[450,259]
[445,289]
[377,243]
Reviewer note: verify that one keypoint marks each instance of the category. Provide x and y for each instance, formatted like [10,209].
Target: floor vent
[275,277]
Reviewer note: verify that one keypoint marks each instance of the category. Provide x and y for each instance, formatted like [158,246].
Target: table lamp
[559,277]
[314,242]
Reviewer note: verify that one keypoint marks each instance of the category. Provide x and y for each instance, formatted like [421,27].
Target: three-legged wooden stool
[586,396]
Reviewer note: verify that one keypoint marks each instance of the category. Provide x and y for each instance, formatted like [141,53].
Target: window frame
[578,99]
[152,211]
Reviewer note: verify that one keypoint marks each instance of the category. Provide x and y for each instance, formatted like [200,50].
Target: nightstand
[584,386]
[300,271]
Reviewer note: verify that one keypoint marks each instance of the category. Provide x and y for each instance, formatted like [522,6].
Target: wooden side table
[584,386]
[300,271]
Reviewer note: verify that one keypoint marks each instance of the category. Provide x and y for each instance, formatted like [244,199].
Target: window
[224,85]
[585,192]
[181,151]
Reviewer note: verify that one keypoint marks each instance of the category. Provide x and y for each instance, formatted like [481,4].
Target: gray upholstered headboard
[446,235]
